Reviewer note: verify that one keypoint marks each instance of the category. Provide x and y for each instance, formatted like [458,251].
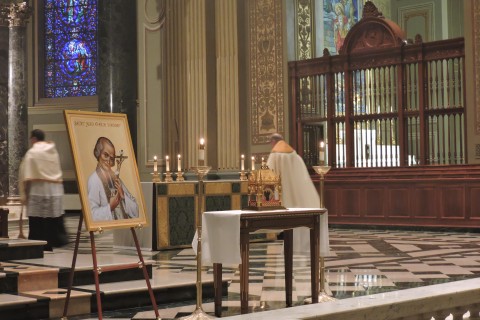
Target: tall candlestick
[155,163]
[167,163]
[321,153]
[201,152]
[179,162]
[253,163]
[242,163]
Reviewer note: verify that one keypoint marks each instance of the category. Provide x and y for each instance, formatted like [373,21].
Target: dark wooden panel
[473,202]
[375,202]
[399,202]
[453,202]
[440,196]
[424,202]
[349,201]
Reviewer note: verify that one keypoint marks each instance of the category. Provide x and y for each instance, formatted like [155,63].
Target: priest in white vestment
[41,189]
[298,190]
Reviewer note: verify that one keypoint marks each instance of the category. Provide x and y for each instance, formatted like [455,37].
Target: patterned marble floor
[363,262]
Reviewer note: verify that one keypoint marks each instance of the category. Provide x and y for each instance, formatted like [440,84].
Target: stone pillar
[17,95]
[4,10]
[117,60]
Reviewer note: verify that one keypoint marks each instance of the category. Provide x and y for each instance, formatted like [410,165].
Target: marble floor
[363,262]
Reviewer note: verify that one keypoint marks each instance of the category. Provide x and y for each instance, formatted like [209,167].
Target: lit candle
[321,153]
[167,163]
[242,163]
[179,162]
[253,163]
[263,160]
[201,151]
[155,164]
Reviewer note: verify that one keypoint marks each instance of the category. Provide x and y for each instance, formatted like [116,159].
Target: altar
[225,240]
[171,212]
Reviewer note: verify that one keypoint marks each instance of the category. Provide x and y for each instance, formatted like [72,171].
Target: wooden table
[275,220]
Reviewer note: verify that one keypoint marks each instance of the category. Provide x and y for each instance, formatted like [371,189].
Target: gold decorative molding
[305,29]
[266,69]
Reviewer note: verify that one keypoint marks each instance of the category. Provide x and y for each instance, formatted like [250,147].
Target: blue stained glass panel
[70,48]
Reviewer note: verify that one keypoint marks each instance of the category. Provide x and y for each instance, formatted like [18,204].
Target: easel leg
[96,272]
[72,269]
[145,274]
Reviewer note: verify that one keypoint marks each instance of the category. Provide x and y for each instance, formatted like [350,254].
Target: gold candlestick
[168,176]
[323,296]
[180,176]
[243,175]
[156,177]
[201,172]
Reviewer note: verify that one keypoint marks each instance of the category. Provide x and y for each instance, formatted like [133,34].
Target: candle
[253,163]
[155,164]
[179,162]
[167,164]
[242,164]
[321,153]
[201,151]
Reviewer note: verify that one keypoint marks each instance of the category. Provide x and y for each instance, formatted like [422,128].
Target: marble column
[117,56]
[17,95]
[4,9]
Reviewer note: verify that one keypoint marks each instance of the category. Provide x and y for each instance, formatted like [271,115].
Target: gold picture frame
[106,169]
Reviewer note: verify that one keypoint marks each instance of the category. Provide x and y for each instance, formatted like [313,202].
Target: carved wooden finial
[418,39]
[326,53]
[370,10]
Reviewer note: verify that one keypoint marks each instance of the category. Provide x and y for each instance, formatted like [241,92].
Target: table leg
[314,260]
[288,257]
[244,248]
[217,285]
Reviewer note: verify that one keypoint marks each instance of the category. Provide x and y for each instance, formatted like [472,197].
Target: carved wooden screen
[381,102]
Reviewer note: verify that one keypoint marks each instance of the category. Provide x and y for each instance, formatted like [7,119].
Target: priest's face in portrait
[107,157]
[105,153]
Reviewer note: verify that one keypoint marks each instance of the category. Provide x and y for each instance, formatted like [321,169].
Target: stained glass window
[70,48]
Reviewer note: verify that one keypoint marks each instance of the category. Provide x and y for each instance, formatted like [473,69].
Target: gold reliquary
[264,190]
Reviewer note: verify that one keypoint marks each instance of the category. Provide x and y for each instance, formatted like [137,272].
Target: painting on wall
[339,17]
[106,169]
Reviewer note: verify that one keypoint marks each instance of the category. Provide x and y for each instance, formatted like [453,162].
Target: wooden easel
[97,271]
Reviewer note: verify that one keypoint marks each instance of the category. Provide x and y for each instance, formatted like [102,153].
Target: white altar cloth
[221,236]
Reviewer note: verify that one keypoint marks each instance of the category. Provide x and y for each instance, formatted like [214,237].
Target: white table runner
[221,236]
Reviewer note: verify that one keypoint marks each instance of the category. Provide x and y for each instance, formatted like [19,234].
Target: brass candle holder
[243,175]
[168,176]
[180,176]
[199,313]
[323,296]
[156,177]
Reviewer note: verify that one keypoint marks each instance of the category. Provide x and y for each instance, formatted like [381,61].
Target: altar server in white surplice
[298,190]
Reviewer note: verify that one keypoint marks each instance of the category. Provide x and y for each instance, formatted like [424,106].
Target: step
[28,278]
[18,249]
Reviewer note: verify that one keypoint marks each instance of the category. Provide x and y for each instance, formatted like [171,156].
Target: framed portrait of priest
[106,169]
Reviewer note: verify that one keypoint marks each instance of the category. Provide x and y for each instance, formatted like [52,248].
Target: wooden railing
[381,102]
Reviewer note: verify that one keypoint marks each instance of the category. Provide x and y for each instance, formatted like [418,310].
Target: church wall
[420,17]
[151,101]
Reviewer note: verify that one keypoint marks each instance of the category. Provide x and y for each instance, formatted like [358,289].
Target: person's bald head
[274,138]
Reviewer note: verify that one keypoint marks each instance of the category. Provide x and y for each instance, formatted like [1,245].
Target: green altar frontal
[175,207]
